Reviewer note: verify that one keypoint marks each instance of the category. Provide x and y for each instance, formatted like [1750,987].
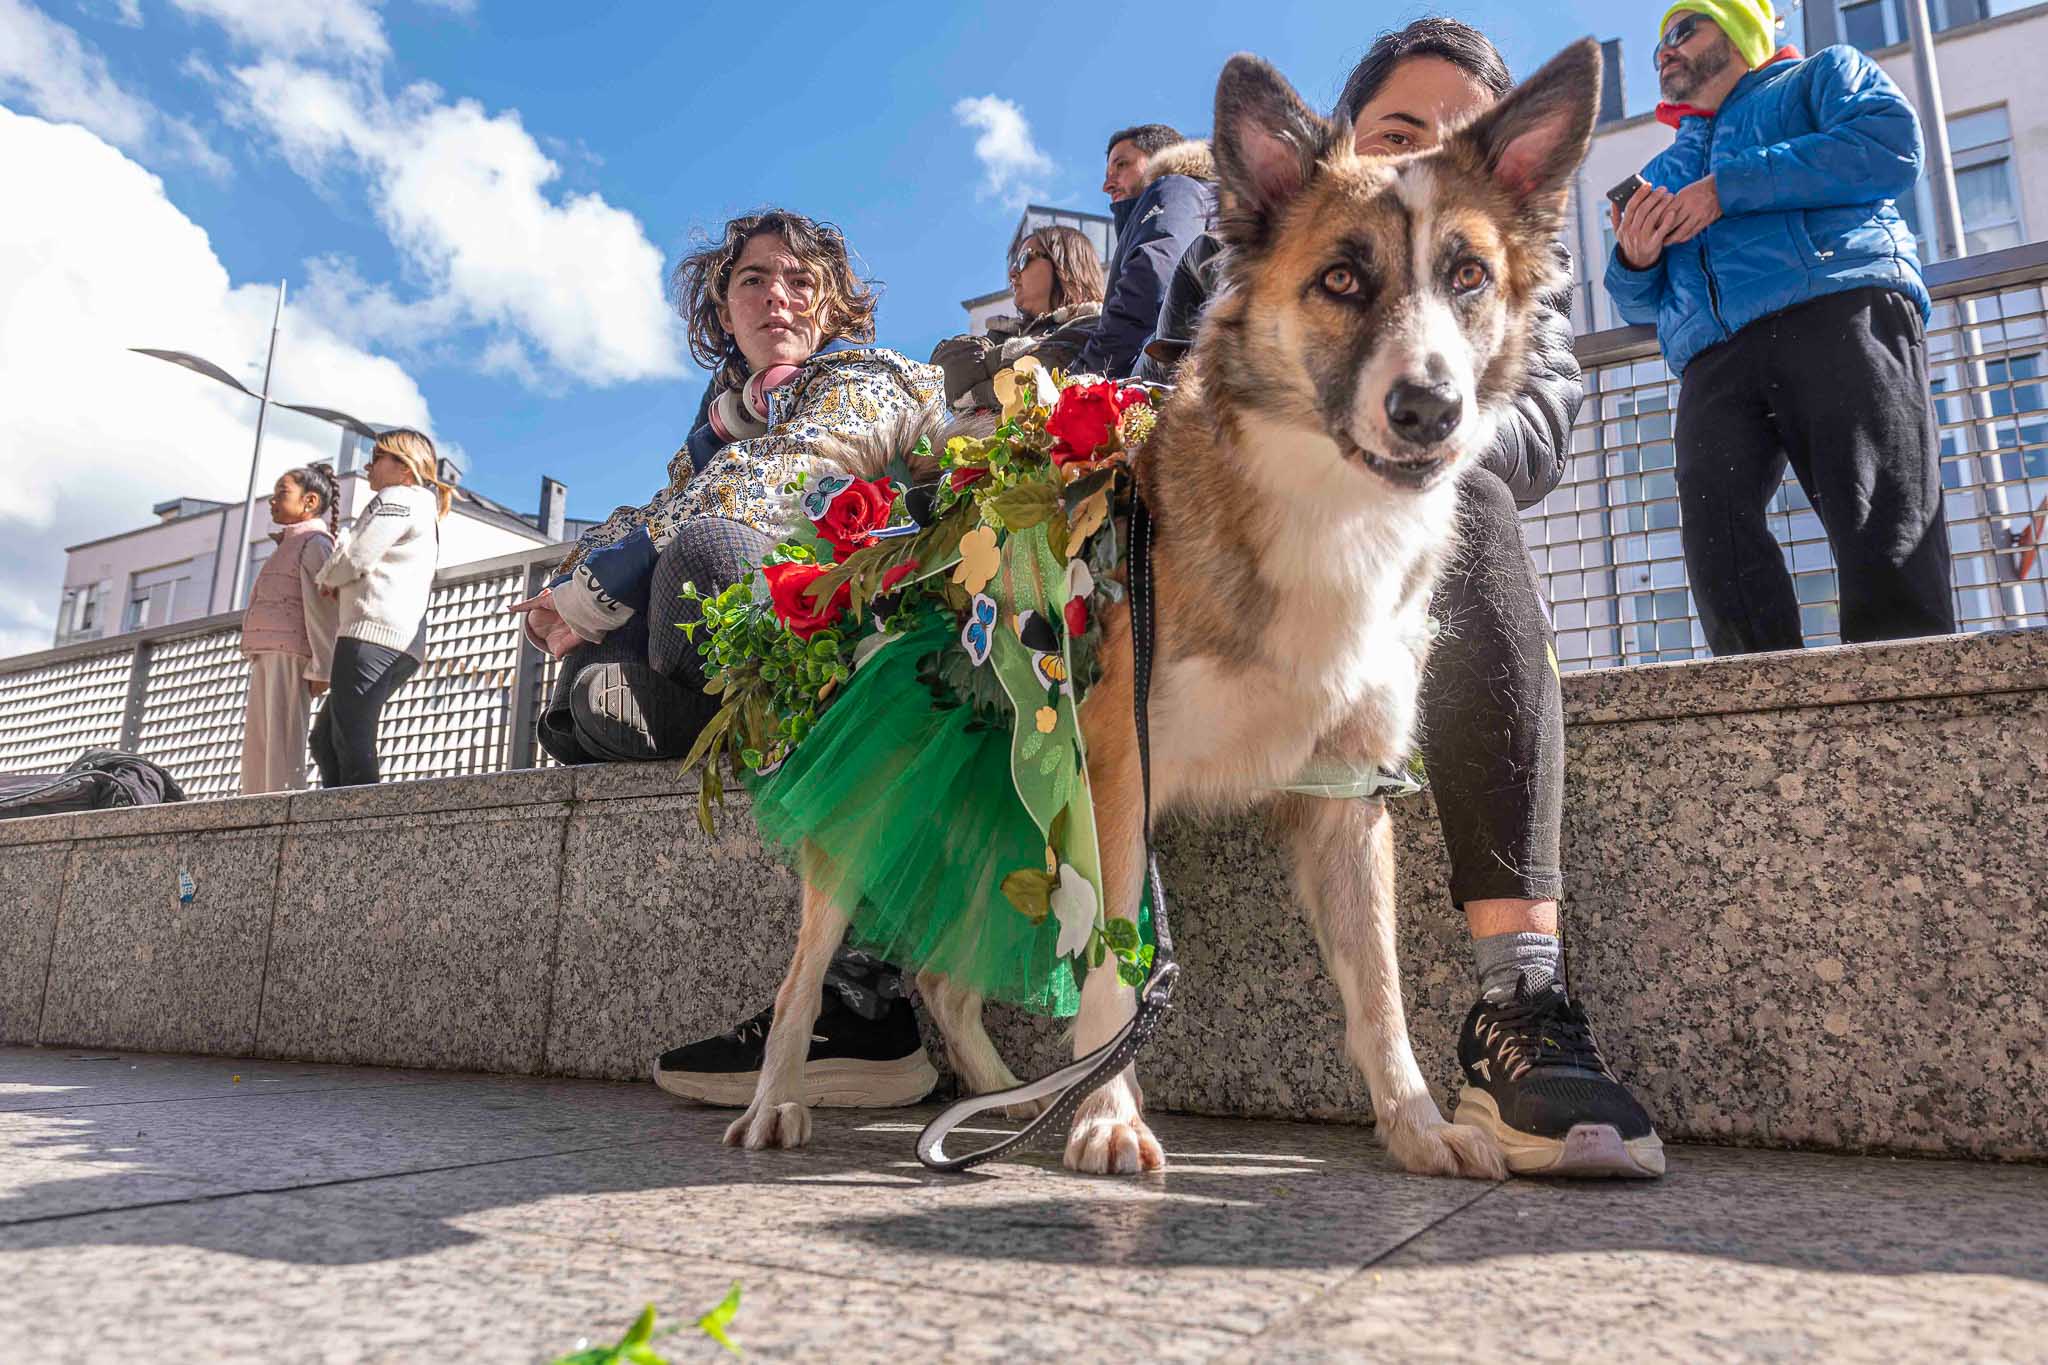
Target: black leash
[1084,1076]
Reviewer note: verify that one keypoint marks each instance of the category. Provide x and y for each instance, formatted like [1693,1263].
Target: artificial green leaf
[1030,890]
[1082,488]
[714,1323]
[1098,949]
[642,1330]
[1056,835]
[1025,506]
[1129,973]
[1121,934]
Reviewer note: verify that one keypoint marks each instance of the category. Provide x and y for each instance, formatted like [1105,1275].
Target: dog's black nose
[1423,414]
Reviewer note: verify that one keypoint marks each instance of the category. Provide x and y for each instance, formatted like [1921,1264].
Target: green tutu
[919,823]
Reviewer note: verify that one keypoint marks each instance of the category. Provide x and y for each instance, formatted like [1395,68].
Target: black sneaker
[625,712]
[1535,1079]
[855,1062]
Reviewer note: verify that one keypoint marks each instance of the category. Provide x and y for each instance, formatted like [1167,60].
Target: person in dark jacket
[1768,249]
[1160,204]
[1492,732]
[1056,283]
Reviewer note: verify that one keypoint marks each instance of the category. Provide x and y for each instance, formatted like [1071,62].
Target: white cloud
[1013,167]
[47,67]
[292,28]
[124,12]
[90,434]
[462,194]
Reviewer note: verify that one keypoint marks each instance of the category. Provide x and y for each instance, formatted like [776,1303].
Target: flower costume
[899,686]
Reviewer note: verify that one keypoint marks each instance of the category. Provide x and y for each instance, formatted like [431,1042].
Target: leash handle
[1082,1077]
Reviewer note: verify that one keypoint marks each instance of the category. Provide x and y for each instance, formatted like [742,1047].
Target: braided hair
[318,479]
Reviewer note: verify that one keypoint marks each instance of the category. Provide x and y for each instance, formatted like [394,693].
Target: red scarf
[1671,114]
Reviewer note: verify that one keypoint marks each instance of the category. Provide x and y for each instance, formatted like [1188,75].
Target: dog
[1302,484]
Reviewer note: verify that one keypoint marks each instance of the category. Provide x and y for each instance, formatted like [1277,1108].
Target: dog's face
[1382,303]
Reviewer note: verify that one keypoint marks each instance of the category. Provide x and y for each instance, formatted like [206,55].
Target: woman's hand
[544,626]
[316,687]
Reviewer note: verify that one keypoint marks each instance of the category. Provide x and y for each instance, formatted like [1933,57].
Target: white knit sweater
[384,569]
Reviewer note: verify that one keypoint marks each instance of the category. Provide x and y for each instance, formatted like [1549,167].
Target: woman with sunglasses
[1056,279]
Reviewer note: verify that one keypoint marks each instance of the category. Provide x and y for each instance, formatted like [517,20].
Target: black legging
[344,739]
[1492,709]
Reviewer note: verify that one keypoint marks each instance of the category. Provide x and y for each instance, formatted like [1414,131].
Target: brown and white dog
[1302,485]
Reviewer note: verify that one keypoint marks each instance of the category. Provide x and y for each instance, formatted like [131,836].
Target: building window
[1987,192]
[1871,24]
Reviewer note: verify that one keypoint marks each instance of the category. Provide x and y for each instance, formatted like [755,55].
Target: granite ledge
[1899,670]
[427,796]
[182,817]
[38,829]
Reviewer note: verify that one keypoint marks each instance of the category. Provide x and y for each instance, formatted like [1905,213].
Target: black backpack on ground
[101,779]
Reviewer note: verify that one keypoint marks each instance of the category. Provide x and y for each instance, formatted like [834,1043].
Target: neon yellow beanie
[1752,25]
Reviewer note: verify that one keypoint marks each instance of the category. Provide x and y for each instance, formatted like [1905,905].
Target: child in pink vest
[288,632]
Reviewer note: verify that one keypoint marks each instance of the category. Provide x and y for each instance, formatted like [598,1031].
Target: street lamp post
[214,372]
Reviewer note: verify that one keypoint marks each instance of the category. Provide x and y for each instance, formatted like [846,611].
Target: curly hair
[697,287]
[1076,269]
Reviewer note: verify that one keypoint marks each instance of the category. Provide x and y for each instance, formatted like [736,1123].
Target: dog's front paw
[770,1125]
[1434,1147]
[1110,1138]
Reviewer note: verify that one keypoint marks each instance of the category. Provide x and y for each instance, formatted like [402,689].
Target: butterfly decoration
[817,499]
[1051,669]
[978,636]
[1036,632]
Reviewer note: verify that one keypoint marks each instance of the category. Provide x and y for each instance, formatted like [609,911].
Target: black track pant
[344,739]
[1837,386]
[1492,711]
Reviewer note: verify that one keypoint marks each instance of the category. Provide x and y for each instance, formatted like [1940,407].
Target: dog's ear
[1267,143]
[1532,141]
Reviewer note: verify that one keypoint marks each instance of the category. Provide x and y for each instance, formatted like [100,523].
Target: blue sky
[356,149]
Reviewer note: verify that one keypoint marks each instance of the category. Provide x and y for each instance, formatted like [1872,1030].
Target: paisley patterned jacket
[604,581]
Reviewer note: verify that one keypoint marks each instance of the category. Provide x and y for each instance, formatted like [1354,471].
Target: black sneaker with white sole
[1535,1079]
[855,1062]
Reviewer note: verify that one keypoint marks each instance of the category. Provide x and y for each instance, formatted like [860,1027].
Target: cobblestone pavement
[170,1209]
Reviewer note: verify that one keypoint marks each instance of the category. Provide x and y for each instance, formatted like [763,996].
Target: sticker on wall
[186,888]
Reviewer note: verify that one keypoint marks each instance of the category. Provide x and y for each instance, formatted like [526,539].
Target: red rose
[897,575]
[794,607]
[855,515]
[1085,418]
[1082,421]
[965,475]
[1077,616]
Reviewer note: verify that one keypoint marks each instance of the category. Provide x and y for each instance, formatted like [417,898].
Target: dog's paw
[1111,1144]
[770,1125]
[1439,1148]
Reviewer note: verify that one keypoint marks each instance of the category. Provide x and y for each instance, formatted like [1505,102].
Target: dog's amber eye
[1469,276]
[1339,280]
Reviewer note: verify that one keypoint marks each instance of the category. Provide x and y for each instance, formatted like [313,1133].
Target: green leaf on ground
[714,1323]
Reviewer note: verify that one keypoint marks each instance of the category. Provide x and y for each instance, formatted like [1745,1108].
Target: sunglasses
[1024,260]
[1680,33]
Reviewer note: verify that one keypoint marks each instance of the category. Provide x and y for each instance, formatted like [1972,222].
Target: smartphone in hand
[1626,190]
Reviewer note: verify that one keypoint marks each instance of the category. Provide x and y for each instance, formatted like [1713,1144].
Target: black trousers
[1492,710]
[711,552]
[344,739]
[1838,387]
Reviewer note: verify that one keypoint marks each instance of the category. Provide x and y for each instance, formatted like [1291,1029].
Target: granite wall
[1804,907]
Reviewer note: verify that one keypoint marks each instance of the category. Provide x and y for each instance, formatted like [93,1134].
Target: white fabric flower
[1073,903]
[1080,582]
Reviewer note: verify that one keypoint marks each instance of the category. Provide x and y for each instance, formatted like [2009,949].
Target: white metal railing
[1605,543]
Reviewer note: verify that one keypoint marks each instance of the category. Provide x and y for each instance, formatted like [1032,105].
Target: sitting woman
[786,327]
[1056,280]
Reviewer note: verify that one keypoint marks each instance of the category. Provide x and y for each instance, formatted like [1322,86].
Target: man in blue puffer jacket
[1768,249]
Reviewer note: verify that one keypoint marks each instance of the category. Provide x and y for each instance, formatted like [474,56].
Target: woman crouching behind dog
[1056,281]
[1492,713]
[778,315]
[383,572]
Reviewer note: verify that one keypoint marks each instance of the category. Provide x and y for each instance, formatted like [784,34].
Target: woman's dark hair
[318,479]
[1462,45]
[697,287]
[1076,269]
